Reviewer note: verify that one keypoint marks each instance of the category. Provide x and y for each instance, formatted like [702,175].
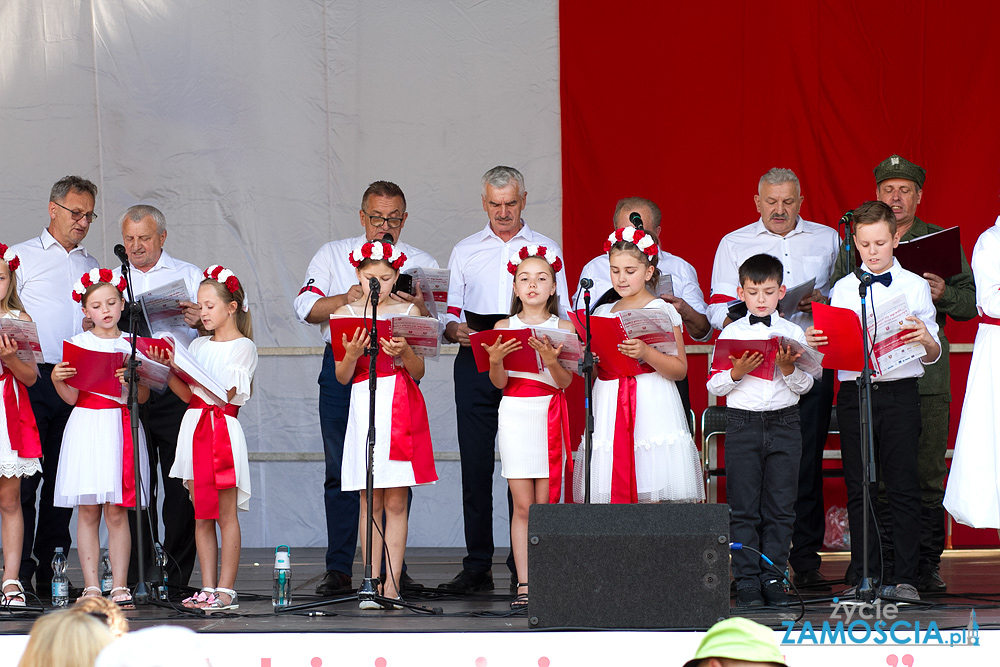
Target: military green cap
[895,166]
[739,639]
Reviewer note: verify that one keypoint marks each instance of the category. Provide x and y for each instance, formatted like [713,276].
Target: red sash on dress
[989,320]
[212,456]
[623,485]
[558,427]
[21,427]
[410,437]
[98,402]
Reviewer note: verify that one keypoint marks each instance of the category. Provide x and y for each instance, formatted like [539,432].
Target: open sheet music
[526,359]
[25,335]
[885,336]
[161,306]
[434,287]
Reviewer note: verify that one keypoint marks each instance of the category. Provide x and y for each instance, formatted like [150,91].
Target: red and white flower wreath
[93,277]
[539,251]
[637,237]
[9,256]
[378,251]
[224,276]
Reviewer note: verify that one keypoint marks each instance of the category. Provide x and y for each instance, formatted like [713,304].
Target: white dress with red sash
[96,459]
[403,453]
[221,460]
[19,444]
[642,448]
[530,434]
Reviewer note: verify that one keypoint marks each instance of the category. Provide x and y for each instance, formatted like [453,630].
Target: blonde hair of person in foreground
[99,607]
[65,639]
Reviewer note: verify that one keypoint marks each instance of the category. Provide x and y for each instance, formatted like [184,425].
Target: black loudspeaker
[628,566]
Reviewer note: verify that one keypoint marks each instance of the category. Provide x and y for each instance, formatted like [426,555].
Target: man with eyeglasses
[330,283]
[50,265]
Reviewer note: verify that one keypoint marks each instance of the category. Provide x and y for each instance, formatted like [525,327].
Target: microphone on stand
[635,219]
[121,254]
[866,279]
[373,287]
[586,283]
[387,238]
[846,219]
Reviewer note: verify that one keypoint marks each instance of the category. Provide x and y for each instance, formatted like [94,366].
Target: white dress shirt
[752,393]
[330,273]
[45,282]
[918,299]
[808,251]
[683,275]
[166,270]
[480,281]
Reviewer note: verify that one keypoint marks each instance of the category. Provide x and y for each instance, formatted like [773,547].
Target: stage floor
[973,578]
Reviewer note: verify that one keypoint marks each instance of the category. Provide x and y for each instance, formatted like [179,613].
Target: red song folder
[842,327]
[524,360]
[726,347]
[347,326]
[606,333]
[95,371]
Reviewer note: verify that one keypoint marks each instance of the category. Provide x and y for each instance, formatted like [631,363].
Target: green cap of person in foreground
[737,642]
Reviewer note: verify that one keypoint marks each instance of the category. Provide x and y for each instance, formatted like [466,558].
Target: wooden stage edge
[973,578]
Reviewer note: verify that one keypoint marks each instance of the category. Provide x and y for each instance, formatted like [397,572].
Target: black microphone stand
[141,593]
[369,588]
[587,370]
[866,591]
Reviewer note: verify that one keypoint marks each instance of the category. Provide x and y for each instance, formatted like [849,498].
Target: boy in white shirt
[895,403]
[763,436]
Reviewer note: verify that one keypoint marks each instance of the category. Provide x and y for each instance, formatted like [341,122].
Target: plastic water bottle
[60,584]
[162,591]
[107,581]
[281,595]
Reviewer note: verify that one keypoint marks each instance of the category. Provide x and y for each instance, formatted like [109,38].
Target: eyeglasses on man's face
[80,215]
[378,221]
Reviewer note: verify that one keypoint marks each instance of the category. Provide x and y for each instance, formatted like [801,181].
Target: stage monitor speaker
[628,566]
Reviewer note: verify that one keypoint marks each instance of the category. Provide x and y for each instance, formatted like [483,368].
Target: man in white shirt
[686,296]
[144,231]
[50,265]
[807,250]
[330,283]
[481,284]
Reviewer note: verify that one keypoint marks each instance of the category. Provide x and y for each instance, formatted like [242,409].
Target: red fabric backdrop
[689,103]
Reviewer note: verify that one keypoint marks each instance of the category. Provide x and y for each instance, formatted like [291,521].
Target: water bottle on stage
[60,584]
[281,596]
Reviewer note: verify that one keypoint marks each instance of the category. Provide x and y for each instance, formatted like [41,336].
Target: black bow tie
[766,320]
[884,278]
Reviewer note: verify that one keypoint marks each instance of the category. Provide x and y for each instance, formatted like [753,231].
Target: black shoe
[408,585]
[931,582]
[774,593]
[748,597]
[335,583]
[468,581]
[812,580]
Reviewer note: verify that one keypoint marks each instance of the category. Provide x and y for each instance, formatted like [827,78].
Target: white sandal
[199,598]
[124,601]
[215,603]
[14,598]
[96,594]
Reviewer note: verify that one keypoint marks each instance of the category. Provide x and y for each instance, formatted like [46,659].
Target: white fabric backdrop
[255,127]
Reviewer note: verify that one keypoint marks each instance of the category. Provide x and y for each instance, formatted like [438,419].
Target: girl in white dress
[655,459]
[973,493]
[96,471]
[523,419]
[211,454]
[19,444]
[397,465]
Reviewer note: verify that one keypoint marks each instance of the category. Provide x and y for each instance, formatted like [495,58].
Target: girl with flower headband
[642,446]
[403,455]
[212,457]
[19,443]
[533,417]
[96,472]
